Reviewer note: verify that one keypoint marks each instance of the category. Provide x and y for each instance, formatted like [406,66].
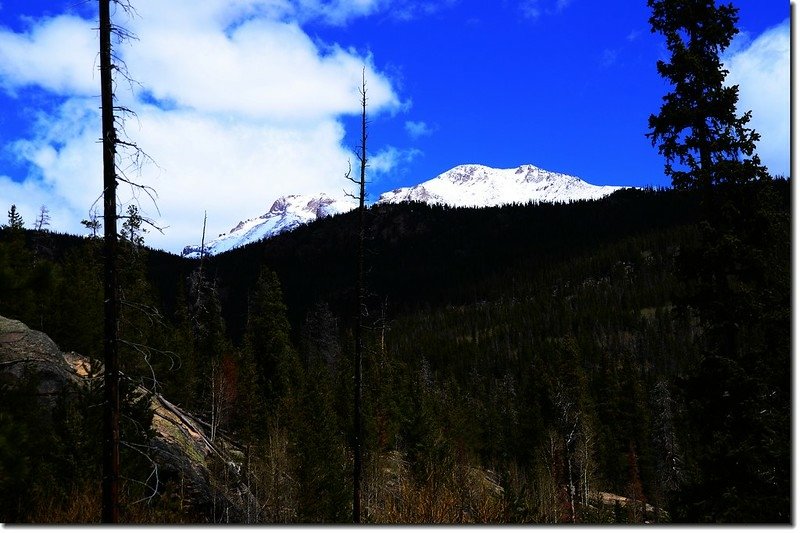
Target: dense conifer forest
[524,364]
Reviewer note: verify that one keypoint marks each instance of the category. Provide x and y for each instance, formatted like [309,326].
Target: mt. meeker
[286,213]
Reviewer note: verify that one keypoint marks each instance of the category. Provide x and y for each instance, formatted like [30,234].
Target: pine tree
[737,395]
[132,229]
[15,221]
[114,148]
[698,127]
[92,224]
[267,337]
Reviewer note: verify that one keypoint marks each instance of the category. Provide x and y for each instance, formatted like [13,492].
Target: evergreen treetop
[697,130]
[15,221]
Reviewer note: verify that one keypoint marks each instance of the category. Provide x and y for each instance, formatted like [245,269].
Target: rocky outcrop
[25,352]
[181,447]
[212,471]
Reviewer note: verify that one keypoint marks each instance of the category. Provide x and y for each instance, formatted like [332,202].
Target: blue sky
[241,102]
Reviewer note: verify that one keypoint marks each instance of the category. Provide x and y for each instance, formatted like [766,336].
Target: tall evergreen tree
[209,339]
[737,395]
[698,127]
[267,337]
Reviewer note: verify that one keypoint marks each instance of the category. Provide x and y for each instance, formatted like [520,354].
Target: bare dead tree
[111,411]
[203,240]
[115,169]
[42,220]
[361,154]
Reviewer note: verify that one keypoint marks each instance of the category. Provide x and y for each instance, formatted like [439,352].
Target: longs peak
[482,186]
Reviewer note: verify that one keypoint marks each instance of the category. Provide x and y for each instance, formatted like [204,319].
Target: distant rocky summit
[286,214]
[482,186]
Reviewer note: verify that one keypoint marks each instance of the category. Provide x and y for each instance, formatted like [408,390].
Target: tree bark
[110,485]
[357,416]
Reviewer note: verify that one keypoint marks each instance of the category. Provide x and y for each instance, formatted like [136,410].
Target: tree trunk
[110,511]
[358,422]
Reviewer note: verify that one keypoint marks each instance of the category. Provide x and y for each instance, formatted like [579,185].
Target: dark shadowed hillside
[524,364]
[421,255]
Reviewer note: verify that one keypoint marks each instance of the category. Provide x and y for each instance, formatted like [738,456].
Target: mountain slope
[434,255]
[482,186]
[286,213]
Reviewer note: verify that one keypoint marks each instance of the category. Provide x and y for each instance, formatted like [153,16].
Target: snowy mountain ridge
[286,214]
[482,186]
[462,186]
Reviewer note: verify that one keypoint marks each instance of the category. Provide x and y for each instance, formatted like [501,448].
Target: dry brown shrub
[81,506]
[464,495]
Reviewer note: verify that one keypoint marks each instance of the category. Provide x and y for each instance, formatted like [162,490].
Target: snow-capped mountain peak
[285,214]
[462,186]
[482,186]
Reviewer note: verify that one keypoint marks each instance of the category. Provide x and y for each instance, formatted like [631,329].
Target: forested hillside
[538,363]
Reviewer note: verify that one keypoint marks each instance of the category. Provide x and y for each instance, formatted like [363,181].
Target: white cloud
[57,54]
[761,70]
[261,67]
[390,157]
[29,197]
[333,12]
[237,106]
[418,129]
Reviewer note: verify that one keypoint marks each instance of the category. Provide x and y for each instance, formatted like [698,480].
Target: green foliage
[132,229]
[92,224]
[320,451]
[738,393]
[736,279]
[430,256]
[24,435]
[49,448]
[15,221]
[267,338]
[79,313]
[698,127]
